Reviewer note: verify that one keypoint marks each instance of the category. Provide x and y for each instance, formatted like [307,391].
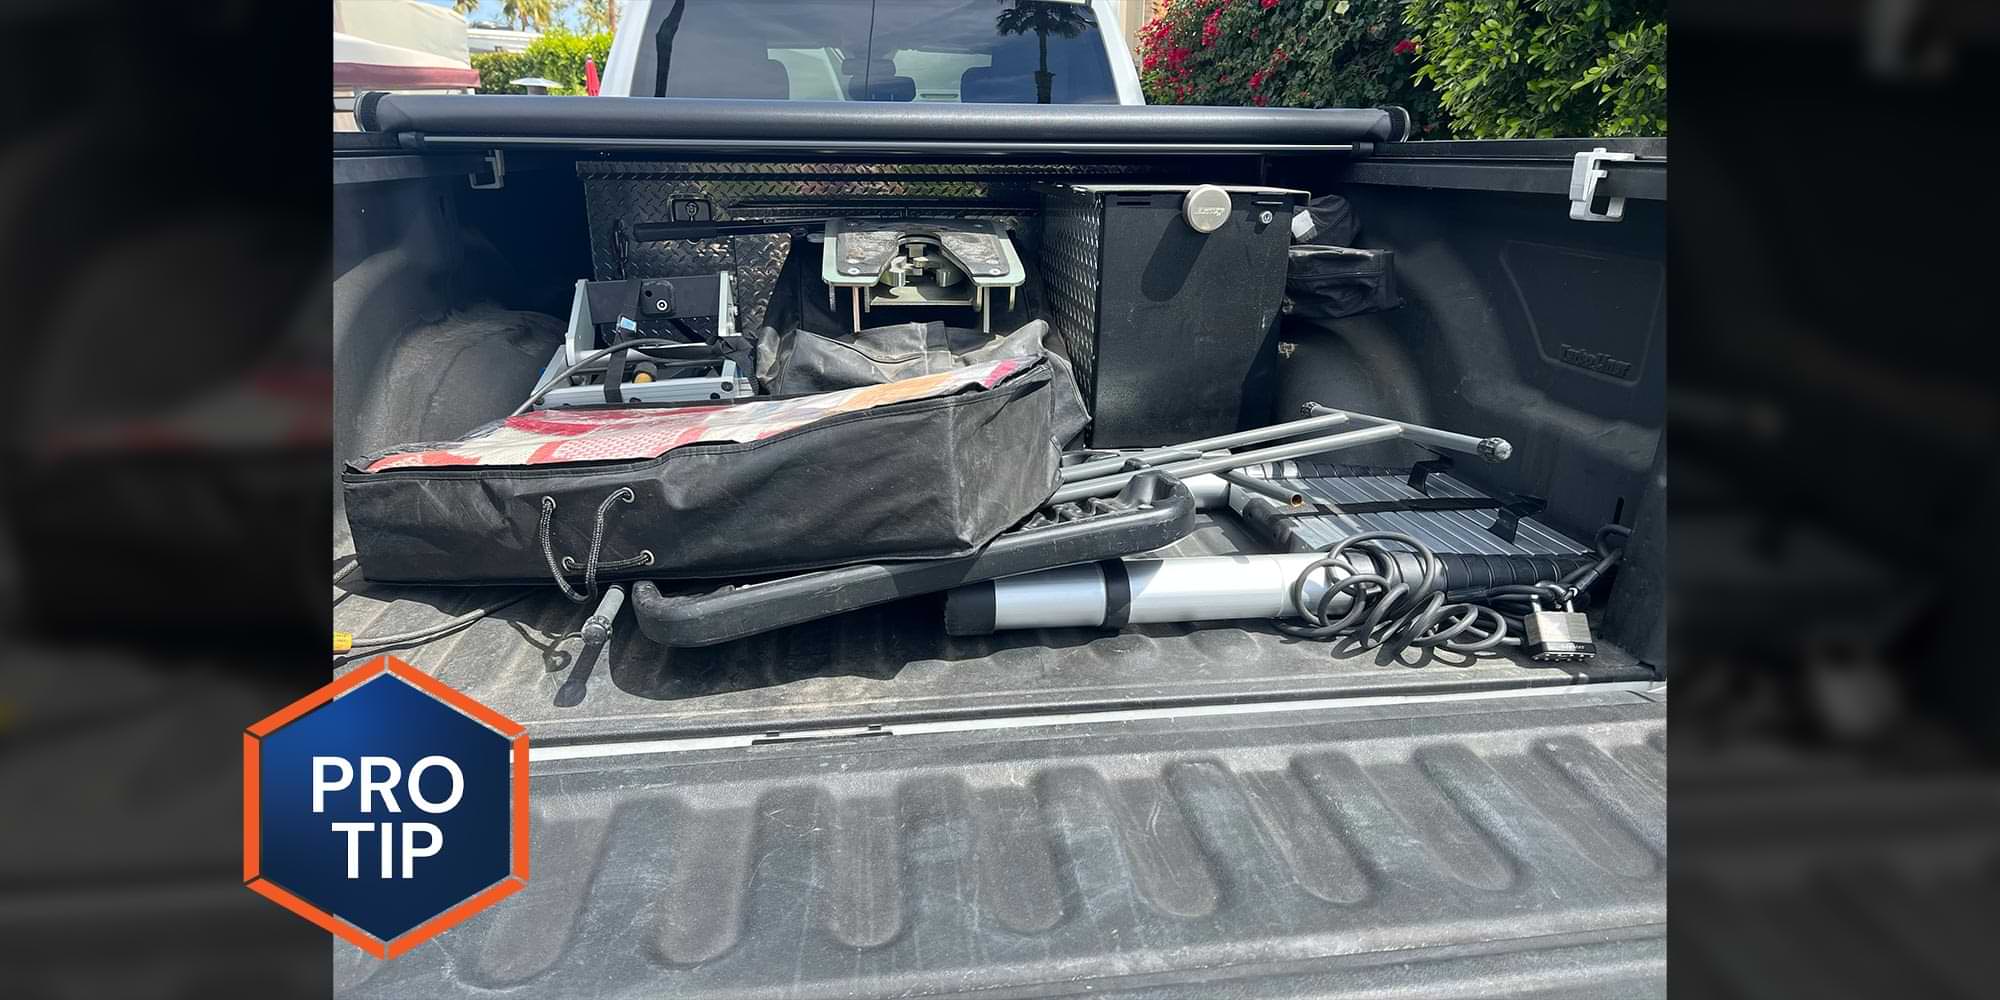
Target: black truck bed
[864,806]
[1495,844]
[1197,811]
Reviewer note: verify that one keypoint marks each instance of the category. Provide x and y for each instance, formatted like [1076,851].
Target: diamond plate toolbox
[636,191]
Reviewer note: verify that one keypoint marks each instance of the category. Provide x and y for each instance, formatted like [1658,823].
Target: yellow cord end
[343,641]
[643,377]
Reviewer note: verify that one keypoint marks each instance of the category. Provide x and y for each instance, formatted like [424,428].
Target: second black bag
[1328,282]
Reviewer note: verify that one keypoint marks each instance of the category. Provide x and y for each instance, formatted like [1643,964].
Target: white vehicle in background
[952,51]
[403,46]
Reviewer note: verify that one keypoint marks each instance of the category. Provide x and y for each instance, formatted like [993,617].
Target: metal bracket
[1583,180]
[496,163]
[1420,473]
[1517,506]
[728,384]
[620,249]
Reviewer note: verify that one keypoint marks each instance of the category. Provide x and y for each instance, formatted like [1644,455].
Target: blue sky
[488,10]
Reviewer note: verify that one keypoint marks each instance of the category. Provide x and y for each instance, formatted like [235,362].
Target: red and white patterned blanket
[548,437]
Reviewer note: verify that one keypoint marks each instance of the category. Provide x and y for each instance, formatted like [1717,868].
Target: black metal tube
[1260,487]
[1108,485]
[995,125]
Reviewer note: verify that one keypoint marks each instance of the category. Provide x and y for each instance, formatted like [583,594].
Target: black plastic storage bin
[1173,331]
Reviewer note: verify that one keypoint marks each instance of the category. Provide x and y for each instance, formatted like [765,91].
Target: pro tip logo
[385,807]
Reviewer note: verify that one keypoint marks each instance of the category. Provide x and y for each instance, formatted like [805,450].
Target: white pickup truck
[959,51]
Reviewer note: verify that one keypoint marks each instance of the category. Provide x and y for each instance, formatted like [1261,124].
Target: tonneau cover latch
[1583,180]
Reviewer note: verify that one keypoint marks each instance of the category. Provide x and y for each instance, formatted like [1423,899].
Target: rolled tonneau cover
[499,119]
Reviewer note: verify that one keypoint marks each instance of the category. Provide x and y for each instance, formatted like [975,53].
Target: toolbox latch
[1584,177]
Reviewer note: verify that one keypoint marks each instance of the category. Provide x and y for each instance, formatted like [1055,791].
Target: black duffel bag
[929,467]
[802,361]
[1329,282]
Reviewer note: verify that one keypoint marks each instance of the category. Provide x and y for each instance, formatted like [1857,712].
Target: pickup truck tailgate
[1461,845]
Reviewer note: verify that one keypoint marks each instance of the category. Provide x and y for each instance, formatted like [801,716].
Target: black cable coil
[1403,603]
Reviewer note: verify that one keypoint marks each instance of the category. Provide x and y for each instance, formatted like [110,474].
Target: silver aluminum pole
[1492,449]
[1105,466]
[1105,486]
[1202,588]
[1211,492]
[1110,464]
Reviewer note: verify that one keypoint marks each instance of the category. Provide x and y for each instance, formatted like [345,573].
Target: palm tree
[1044,19]
[536,14]
[597,15]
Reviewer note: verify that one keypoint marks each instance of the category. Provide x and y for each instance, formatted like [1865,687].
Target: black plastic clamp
[1507,523]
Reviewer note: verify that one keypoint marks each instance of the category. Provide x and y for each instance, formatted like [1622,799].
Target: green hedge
[1473,68]
[557,55]
[1514,68]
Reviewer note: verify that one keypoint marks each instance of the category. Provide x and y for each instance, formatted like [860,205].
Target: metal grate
[1072,228]
[1460,532]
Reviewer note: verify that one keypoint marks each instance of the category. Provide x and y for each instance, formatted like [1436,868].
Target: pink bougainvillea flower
[1405,47]
[1268,4]
[1257,79]
[1260,100]
[1211,28]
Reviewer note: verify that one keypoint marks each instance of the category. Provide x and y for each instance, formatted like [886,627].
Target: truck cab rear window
[954,51]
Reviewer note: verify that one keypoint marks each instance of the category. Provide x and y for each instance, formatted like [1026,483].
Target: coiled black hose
[1391,606]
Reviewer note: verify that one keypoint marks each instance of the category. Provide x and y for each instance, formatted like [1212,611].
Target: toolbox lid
[1176,188]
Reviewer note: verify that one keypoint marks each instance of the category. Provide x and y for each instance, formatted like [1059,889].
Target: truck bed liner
[894,663]
[1505,844]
